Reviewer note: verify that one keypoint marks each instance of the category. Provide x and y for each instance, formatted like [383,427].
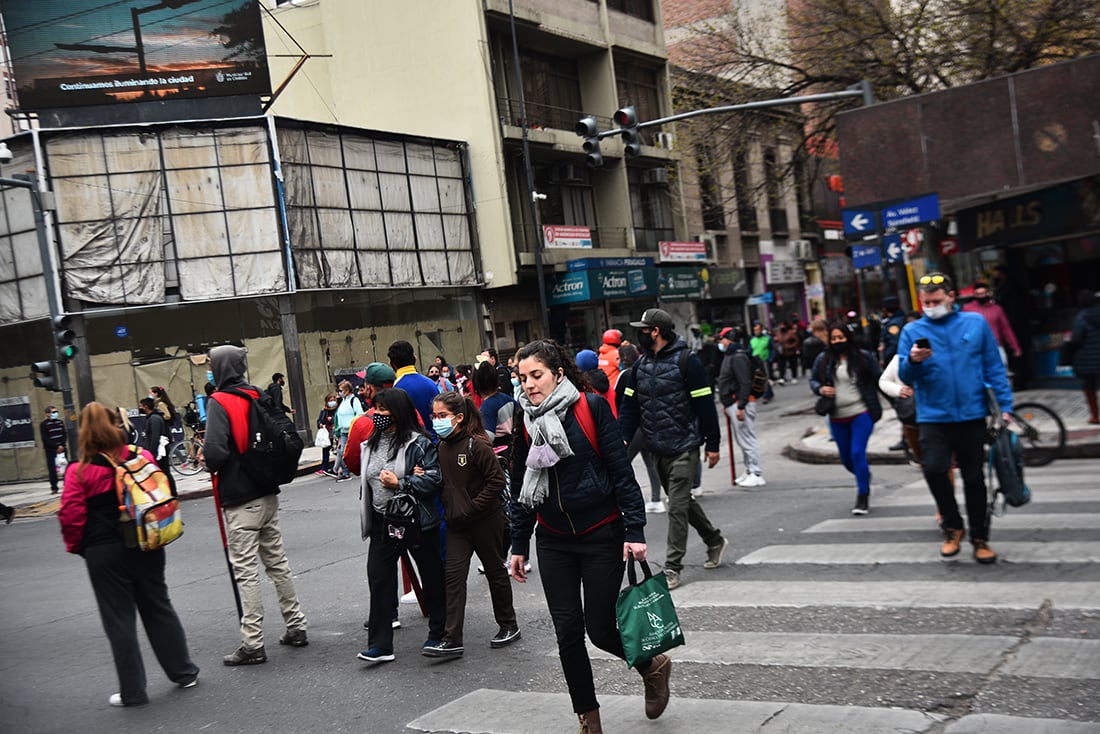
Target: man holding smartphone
[949,357]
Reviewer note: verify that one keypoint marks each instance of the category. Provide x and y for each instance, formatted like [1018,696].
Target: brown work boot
[656,686]
[952,541]
[590,722]
[982,552]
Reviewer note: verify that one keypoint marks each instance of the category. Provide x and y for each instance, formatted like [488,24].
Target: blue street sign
[891,244]
[860,221]
[910,213]
[760,298]
[866,256]
[121,332]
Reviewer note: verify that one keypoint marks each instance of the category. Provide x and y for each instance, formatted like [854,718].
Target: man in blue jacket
[949,373]
[668,394]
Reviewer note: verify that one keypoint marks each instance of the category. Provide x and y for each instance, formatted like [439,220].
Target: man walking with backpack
[251,508]
[735,392]
[667,393]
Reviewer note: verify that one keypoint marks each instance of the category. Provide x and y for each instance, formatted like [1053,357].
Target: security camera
[5,153]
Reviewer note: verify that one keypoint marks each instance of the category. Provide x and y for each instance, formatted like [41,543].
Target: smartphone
[923,343]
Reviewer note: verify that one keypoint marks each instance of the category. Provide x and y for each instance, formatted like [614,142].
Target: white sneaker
[697,492]
[793,381]
[741,478]
[655,508]
[116,699]
[753,480]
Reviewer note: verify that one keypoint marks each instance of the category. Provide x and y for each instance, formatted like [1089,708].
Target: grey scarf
[544,424]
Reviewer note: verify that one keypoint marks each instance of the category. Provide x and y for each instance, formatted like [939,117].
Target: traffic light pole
[54,300]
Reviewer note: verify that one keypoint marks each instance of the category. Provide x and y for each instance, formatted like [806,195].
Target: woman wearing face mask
[442,383]
[398,459]
[850,375]
[473,482]
[590,514]
[327,419]
[349,408]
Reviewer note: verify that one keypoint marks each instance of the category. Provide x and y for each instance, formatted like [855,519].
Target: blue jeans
[851,438]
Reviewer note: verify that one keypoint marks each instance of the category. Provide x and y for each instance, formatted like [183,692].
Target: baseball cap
[587,360]
[657,317]
[728,333]
[379,374]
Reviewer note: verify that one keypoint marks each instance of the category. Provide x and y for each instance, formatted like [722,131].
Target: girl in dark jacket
[327,419]
[1086,339]
[473,483]
[590,515]
[850,375]
[124,579]
[398,459]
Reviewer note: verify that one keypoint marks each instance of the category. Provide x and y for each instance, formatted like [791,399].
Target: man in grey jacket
[251,511]
[735,392]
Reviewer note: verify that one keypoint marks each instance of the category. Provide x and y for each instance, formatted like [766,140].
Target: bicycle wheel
[182,457]
[1041,433]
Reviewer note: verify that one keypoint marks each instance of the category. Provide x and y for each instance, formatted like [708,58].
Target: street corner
[43,508]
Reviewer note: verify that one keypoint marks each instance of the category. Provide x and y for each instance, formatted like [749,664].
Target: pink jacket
[995,316]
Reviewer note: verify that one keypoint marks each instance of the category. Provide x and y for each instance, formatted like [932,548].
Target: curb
[303,470]
[813,456]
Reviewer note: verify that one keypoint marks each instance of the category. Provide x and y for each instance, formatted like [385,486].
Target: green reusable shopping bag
[647,617]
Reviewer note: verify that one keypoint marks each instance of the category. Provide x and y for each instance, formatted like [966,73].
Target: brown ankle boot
[590,722]
[1094,407]
[656,686]
[952,541]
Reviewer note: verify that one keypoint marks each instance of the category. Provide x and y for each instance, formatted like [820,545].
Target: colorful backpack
[148,511]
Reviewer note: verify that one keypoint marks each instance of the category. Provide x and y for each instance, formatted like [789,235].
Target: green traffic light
[67,352]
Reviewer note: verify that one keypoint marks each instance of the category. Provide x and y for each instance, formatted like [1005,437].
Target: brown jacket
[473,480]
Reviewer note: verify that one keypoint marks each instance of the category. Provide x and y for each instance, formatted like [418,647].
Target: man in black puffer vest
[667,392]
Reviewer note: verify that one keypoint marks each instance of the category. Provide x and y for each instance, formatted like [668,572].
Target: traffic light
[588,129]
[63,338]
[628,121]
[45,375]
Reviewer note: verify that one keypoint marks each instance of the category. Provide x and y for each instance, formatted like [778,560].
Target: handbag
[322,440]
[647,617]
[824,405]
[906,408]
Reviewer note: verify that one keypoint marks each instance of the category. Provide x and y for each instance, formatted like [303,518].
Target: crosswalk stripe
[1009,521]
[1040,498]
[942,653]
[1057,657]
[890,594]
[1001,724]
[862,553]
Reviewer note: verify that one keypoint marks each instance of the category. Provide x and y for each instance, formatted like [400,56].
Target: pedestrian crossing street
[915,645]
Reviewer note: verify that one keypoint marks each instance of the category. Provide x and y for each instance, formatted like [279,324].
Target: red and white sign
[911,241]
[555,235]
[949,246]
[682,251]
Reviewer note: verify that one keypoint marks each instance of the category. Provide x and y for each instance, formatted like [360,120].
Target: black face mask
[645,339]
[984,300]
[381,422]
[839,348]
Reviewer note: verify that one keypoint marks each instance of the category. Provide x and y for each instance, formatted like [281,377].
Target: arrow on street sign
[891,243]
[859,221]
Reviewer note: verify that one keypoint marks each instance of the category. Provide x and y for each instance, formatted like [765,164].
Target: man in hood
[251,511]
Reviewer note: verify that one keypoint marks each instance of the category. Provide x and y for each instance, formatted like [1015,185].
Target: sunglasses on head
[932,279]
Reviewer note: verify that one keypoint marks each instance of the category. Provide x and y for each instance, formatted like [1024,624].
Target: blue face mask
[515,382]
[442,427]
[55,415]
[721,346]
[210,377]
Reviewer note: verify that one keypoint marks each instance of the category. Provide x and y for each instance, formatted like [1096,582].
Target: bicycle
[186,456]
[1041,433]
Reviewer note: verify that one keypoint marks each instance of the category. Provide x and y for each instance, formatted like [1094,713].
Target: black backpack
[759,376]
[274,446]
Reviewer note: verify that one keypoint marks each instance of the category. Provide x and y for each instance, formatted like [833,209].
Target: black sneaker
[899,446]
[294,638]
[243,656]
[189,681]
[861,507]
[445,649]
[505,636]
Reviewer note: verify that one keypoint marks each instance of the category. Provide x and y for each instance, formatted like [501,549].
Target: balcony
[646,238]
[602,238]
[543,116]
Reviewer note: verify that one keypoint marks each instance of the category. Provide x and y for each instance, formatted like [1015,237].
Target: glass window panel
[390,156]
[32,292]
[292,146]
[194,190]
[27,258]
[309,269]
[298,187]
[359,153]
[336,229]
[139,240]
[7,260]
[196,283]
[188,148]
[406,269]
[452,198]
[77,155]
[253,230]
[243,146]
[395,192]
[259,273]
[429,231]
[375,267]
[200,235]
[434,263]
[304,233]
[324,149]
[421,159]
[18,211]
[342,270]
[447,163]
[329,187]
[425,196]
[462,267]
[399,231]
[363,189]
[247,186]
[10,307]
[78,200]
[457,232]
[370,230]
[134,152]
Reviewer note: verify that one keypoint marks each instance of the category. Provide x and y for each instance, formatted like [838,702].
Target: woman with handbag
[399,466]
[326,421]
[845,378]
[127,581]
[570,476]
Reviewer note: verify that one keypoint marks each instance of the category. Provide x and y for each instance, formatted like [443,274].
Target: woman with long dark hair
[590,514]
[399,461]
[849,375]
[473,483]
[127,581]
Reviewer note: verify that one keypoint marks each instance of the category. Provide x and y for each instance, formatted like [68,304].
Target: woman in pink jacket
[125,579]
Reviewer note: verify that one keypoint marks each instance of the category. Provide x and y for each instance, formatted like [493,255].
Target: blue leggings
[851,440]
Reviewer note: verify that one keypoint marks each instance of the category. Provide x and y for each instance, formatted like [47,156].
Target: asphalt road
[941,661]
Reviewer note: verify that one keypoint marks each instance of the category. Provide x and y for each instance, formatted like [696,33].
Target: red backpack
[582,411]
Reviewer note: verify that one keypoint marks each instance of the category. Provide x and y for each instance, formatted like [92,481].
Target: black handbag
[824,405]
[906,408]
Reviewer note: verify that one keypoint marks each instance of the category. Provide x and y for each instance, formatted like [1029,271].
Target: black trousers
[483,538]
[966,440]
[382,557]
[129,580]
[581,576]
[51,467]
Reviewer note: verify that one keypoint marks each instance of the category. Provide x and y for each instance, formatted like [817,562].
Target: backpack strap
[583,413]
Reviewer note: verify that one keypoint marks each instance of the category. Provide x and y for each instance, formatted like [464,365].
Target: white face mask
[937,312]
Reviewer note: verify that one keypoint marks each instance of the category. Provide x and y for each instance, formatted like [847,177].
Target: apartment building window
[637,84]
[569,199]
[551,89]
[635,8]
[710,196]
[650,207]
[777,212]
[746,204]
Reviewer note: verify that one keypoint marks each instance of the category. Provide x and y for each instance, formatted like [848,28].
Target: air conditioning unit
[802,250]
[665,140]
[655,176]
[569,173]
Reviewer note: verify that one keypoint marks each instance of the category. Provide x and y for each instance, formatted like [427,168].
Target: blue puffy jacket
[950,385]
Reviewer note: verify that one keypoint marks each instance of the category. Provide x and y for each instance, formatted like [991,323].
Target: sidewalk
[815,447]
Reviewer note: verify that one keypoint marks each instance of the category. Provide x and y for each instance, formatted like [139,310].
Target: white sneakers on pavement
[751,480]
[655,508]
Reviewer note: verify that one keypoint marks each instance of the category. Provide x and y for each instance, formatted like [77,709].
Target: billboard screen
[68,53]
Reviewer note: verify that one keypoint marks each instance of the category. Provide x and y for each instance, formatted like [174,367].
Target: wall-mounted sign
[554,235]
[16,425]
[785,271]
[682,251]
[684,282]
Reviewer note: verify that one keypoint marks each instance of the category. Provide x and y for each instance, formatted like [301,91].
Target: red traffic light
[626,117]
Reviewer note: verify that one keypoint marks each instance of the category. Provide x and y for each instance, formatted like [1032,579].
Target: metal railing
[541,115]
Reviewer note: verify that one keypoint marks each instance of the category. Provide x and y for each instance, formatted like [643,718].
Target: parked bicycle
[1041,433]
[186,456]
